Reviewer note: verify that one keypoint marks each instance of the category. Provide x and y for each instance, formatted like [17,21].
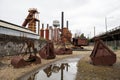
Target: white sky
[82,15]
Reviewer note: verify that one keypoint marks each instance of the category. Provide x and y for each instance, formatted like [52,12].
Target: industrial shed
[11,29]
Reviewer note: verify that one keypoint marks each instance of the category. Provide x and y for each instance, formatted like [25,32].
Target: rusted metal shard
[63,51]
[18,62]
[102,55]
[47,52]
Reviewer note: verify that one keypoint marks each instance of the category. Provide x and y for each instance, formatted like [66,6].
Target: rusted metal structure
[80,41]
[63,51]
[47,52]
[61,48]
[31,19]
[62,23]
[47,32]
[102,55]
[65,37]
[42,31]
[65,33]
[18,61]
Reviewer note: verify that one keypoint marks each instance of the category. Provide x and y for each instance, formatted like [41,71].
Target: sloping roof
[10,29]
[14,26]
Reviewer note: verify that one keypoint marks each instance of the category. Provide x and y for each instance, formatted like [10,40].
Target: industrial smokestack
[47,25]
[42,26]
[38,27]
[67,24]
[62,22]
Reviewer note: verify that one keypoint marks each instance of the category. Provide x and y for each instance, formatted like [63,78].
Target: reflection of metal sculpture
[101,54]
[54,68]
[48,70]
[32,77]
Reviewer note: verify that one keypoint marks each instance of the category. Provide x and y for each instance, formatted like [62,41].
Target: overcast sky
[82,15]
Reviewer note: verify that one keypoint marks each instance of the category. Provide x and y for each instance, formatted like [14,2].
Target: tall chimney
[62,22]
[47,32]
[42,31]
[67,24]
[47,25]
[42,26]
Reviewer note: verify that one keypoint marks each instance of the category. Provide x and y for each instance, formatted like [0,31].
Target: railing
[109,31]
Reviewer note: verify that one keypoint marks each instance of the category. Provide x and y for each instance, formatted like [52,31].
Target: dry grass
[87,71]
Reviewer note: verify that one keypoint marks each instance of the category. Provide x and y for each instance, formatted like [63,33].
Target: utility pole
[94,31]
[106,27]
[106,23]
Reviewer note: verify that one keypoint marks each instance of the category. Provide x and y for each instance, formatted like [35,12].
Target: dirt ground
[86,71]
[8,72]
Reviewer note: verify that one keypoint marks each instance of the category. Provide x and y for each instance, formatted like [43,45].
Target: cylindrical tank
[50,33]
[42,31]
[56,34]
[47,33]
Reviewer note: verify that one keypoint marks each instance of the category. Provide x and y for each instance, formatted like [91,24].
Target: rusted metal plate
[18,62]
[101,54]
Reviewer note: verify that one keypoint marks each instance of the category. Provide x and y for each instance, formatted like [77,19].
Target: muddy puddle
[65,69]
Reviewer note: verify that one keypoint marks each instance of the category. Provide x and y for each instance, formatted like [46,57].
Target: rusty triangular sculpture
[47,52]
[102,55]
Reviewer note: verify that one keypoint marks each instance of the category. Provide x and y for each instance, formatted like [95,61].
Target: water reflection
[55,69]
[32,77]
[62,71]
[65,69]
